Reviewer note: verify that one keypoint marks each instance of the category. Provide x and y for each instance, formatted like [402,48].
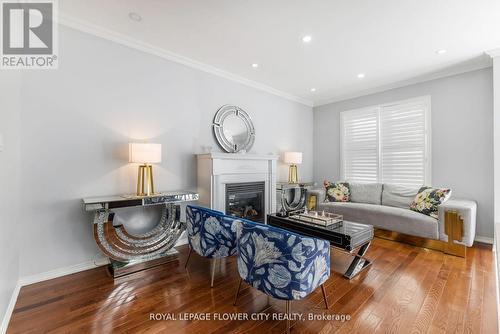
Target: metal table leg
[359,262]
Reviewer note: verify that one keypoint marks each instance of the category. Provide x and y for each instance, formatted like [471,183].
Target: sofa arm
[320,197]
[467,211]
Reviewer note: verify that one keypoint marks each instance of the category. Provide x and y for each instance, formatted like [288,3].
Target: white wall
[10,242]
[496,98]
[462,136]
[496,132]
[77,120]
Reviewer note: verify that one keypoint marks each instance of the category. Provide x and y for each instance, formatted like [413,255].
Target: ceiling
[391,42]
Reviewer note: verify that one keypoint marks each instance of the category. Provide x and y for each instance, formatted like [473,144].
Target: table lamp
[145,154]
[293,158]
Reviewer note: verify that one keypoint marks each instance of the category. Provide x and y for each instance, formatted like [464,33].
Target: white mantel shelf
[237,156]
[216,170]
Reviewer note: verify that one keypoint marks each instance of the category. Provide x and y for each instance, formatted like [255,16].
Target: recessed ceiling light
[255,65]
[134,16]
[441,51]
[313,90]
[361,75]
[306,39]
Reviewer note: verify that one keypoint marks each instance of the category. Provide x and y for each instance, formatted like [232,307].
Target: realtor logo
[28,35]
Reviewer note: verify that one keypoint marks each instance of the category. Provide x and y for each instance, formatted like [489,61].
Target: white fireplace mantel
[216,170]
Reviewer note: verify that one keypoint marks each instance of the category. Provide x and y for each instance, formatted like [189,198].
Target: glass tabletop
[347,227]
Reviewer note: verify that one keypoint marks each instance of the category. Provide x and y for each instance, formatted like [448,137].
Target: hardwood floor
[407,290]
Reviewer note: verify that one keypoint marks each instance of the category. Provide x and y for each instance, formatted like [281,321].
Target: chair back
[280,263]
[208,234]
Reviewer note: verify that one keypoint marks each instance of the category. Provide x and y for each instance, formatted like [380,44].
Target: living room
[368,130]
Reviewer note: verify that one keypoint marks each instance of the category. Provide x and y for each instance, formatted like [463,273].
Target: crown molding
[493,53]
[113,36]
[84,26]
[454,70]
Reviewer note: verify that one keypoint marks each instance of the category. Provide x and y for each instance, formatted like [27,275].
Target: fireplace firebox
[246,200]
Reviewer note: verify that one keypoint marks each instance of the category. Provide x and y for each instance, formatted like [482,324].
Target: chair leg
[324,295]
[237,292]
[189,256]
[214,262]
[287,311]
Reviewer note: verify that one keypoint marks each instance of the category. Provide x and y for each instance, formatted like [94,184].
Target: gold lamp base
[145,184]
[293,175]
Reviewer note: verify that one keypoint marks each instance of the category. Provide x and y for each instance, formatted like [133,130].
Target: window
[387,143]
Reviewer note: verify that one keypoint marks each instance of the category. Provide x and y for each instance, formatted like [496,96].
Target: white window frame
[426,101]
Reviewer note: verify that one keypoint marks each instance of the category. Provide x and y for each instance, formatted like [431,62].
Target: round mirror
[233,129]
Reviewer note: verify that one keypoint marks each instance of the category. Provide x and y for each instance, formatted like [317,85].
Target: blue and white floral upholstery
[209,234]
[279,263]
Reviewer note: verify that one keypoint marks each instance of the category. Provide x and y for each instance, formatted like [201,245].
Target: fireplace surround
[219,174]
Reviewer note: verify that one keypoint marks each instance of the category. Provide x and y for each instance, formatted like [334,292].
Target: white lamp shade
[293,158]
[144,153]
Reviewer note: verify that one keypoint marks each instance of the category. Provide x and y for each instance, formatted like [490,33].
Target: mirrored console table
[129,252]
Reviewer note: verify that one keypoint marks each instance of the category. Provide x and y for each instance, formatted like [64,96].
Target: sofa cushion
[386,217]
[337,191]
[428,199]
[398,195]
[370,193]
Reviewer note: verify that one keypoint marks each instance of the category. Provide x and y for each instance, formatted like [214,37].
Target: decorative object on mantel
[128,252]
[145,154]
[293,159]
[233,129]
[292,196]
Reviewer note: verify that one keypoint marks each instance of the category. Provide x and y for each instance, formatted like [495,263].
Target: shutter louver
[403,143]
[387,143]
[360,145]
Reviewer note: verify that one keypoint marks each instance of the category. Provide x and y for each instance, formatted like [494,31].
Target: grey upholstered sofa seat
[386,206]
[386,217]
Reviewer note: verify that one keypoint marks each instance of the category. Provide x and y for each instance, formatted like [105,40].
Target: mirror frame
[218,126]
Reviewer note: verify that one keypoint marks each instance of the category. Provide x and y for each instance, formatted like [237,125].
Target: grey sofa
[386,206]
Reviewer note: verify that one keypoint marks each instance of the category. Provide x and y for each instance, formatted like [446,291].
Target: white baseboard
[97,262]
[27,280]
[486,240]
[10,309]
[31,279]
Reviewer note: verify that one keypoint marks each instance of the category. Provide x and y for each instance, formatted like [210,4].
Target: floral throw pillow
[337,191]
[428,199]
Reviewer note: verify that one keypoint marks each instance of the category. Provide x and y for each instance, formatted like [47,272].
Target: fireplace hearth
[246,200]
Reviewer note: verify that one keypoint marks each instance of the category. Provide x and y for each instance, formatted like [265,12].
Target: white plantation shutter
[387,143]
[403,143]
[360,145]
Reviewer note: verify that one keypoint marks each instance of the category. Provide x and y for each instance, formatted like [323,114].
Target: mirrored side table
[131,252]
[292,196]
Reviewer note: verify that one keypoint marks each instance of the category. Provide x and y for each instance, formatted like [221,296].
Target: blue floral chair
[210,235]
[281,264]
